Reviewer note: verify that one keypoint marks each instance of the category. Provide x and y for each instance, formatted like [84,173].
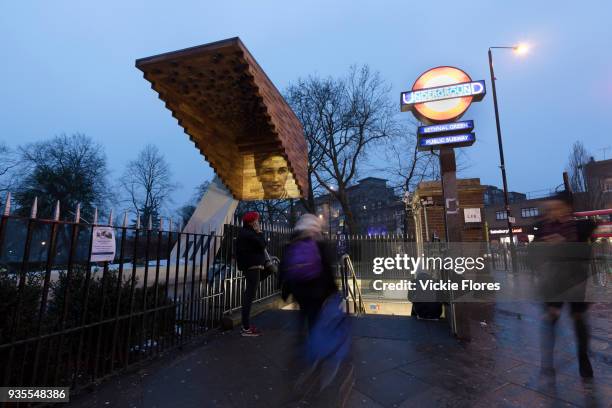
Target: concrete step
[273,303]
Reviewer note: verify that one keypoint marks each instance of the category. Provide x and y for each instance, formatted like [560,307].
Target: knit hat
[250,216]
[308,223]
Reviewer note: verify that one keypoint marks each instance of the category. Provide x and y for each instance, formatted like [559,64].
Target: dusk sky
[68,66]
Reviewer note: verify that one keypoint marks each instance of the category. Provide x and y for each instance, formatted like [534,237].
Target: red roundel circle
[445,110]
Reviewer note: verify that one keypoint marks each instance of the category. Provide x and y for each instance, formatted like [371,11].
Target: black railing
[362,249]
[350,287]
[67,321]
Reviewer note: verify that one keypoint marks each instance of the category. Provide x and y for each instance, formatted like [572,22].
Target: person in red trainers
[251,258]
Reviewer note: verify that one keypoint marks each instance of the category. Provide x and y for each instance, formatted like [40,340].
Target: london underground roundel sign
[442,94]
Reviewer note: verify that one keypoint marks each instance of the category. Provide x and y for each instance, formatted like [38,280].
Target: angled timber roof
[231,111]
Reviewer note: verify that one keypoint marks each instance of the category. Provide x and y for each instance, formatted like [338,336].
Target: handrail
[355,292]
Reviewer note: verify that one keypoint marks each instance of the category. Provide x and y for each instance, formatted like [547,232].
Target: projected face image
[272,173]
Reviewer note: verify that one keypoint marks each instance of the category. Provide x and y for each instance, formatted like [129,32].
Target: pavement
[396,362]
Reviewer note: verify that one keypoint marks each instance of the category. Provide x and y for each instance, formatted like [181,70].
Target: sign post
[438,98]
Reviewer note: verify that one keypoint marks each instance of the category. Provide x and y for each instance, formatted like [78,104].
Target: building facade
[494,195]
[428,210]
[376,209]
[526,215]
[598,180]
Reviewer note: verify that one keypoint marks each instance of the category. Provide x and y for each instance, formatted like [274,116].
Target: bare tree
[8,161]
[342,118]
[404,164]
[71,169]
[271,211]
[575,167]
[185,212]
[147,182]
[304,103]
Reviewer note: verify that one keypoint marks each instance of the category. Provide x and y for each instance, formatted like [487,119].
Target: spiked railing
[72,321]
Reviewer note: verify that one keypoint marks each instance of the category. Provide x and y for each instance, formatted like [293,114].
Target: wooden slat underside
[229,108]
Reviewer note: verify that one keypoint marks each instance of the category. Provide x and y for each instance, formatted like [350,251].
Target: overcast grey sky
[68,66]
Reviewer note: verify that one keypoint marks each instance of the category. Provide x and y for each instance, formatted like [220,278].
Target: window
[607,185]
[529,212]
[501,215]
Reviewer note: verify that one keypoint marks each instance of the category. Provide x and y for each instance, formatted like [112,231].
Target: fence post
[66,303]
[45,290]
[119,290]
[20,288]
[102,305]
[132,291]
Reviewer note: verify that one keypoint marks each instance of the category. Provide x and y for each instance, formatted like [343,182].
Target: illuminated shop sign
[437,141]
[442,94]
[466,125]
[505,231]
[476,88]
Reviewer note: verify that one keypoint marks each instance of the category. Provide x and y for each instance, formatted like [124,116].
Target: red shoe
[250,332]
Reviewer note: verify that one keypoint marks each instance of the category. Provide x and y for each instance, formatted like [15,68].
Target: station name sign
[475,89]
[463,126]
[461,140]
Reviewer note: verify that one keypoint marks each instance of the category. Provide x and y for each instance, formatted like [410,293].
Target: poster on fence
[103,245]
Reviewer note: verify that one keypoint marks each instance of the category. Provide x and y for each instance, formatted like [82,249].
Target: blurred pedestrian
[251,258]
[307,268]
[307,273]
[562,259]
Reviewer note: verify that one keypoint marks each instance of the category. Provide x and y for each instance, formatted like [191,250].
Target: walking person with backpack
[251,260]
[307,273]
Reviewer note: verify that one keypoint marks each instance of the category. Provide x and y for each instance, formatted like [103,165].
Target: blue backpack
[302,261]
[330,337]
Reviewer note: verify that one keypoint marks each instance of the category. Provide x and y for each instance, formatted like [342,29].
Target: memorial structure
[238,121]
[235,116]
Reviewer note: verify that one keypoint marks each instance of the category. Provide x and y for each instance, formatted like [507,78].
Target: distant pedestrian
[251,258]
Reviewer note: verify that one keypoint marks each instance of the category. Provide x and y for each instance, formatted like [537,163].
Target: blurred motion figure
[561,254]
[307,273]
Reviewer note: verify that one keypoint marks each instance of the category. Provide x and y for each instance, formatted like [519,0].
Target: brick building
[428,199]
[598,180]
[526,214]
[494,195]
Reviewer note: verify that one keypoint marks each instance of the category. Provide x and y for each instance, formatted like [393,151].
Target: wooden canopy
[232,112]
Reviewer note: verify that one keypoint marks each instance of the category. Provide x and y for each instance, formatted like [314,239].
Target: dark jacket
[563,266]
[250,248]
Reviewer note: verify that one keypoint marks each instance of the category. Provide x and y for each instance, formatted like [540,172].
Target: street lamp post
[502,164]
[329,209]
[329,205]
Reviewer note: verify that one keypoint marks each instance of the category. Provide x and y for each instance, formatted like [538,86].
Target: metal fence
[362,249]
[67,321]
